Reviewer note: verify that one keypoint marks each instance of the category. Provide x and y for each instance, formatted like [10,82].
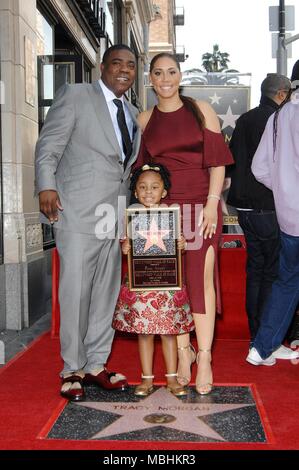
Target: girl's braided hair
[158,168]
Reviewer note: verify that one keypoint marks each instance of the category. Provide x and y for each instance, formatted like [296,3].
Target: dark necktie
[126,139]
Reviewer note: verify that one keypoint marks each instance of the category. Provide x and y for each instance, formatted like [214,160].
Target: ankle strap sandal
[207,387]
[185,379]
[143,389]
[175,388]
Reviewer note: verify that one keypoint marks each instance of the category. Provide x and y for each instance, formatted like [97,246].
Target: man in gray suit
[83,157]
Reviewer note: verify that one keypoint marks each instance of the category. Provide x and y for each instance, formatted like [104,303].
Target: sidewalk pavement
[12,342]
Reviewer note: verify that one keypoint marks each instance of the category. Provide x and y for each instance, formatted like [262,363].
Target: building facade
[44,44]
[162,37]
[162,31]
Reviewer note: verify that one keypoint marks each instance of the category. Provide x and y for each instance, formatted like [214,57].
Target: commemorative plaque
[154,261]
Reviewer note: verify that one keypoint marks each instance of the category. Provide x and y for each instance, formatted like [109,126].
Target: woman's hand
[208,219]
[126,246]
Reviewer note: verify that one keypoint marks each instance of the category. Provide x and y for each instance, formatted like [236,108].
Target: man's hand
[49,202]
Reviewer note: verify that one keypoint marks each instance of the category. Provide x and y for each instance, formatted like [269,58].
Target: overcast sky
[239,27]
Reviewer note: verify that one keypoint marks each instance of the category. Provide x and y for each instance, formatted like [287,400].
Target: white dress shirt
[109,97]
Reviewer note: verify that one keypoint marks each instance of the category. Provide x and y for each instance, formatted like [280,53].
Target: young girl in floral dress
[147,313]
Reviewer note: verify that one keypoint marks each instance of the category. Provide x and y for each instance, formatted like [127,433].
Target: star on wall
[154,236]
[215,99]
[161,408]
[229,119]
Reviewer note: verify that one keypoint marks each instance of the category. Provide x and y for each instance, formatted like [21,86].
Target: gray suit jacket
[78,155]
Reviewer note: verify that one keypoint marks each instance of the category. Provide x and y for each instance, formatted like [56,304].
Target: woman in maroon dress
[184,135]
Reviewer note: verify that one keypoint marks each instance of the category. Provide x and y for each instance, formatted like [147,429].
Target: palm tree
[216,70]
[215,62]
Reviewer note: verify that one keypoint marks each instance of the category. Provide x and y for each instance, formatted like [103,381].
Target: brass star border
[231,413]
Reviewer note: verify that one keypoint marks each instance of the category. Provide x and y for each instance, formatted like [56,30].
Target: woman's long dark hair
[188,102]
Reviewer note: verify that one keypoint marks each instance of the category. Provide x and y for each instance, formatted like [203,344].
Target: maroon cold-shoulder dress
[175,140]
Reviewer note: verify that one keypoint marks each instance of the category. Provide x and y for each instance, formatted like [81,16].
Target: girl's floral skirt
[153,312]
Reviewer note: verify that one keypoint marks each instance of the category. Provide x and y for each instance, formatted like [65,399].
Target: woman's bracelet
[213,196]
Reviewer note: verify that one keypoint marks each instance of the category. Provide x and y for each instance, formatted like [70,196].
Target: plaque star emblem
[215,98]
[229,119]
[154,236]
[161,408]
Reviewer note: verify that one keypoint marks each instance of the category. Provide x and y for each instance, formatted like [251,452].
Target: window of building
[87,73]
[45,49]
[135,88]
[113,10]
[59,61]
[118,22]
[109,21]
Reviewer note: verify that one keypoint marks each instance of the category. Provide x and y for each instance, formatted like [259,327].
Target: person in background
[293,333]
[295,74]
[83,157]
[276,165]
[255,203]
[148,313]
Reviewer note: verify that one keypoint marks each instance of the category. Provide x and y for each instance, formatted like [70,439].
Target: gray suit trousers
[89,283]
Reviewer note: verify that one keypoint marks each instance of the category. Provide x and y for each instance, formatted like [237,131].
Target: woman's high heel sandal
[205,388]
[175,388]
[144,389]
[184,379]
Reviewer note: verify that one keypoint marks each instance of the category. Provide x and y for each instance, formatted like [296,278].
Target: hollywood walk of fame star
[154,236]
[229,119]
[161,408]
[215,98]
